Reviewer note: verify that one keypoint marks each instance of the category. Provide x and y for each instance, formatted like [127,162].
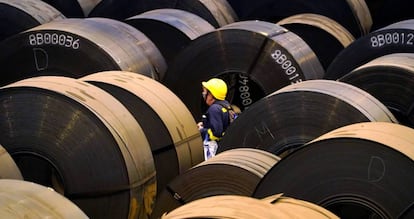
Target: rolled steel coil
[234,172]
[178,28]
[77,47]
[386,12]
[8,168]
[18,16]
[171,131]
[395,38]
[354,15]
[74,8]
[255,58]
[23,199]
[216,12]
[117,10]
[362,170]
[296,114]
[390,79]
[242,207]
[296,208]
[140,40]
[221,10]
[325,36]
[78,139]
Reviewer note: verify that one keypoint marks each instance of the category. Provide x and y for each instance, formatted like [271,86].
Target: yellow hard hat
[217,87]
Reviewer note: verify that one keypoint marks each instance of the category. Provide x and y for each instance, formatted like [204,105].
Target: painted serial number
[53,39]
[244,91]
[287,66]
[380,40]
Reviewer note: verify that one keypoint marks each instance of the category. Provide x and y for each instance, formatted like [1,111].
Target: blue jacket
[215,121]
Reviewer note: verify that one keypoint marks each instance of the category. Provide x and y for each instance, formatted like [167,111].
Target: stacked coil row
[100,99]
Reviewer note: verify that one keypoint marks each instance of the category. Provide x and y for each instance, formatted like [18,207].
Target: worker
[216,118]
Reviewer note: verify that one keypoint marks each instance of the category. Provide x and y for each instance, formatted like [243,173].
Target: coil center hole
[36,168]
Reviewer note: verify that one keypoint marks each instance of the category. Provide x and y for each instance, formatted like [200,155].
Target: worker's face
[208,97]
[204,93]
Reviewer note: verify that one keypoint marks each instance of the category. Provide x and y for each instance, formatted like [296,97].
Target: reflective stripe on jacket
[216,120]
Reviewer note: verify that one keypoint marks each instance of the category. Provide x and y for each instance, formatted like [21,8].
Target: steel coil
[234,172]
[78,139]
[18,16]
[358,171]
[296,208]
[255,58]
[140,41]
[77,47]
[296,114]
[22,199]
[394,38]
[8,168]
[390,79]
[74,8]
[354,15]
[114,9]
[178,29]
[216,12]
[221,11]
[117,10]
[325,36]
[171,131]
[386,12]
[242,207]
